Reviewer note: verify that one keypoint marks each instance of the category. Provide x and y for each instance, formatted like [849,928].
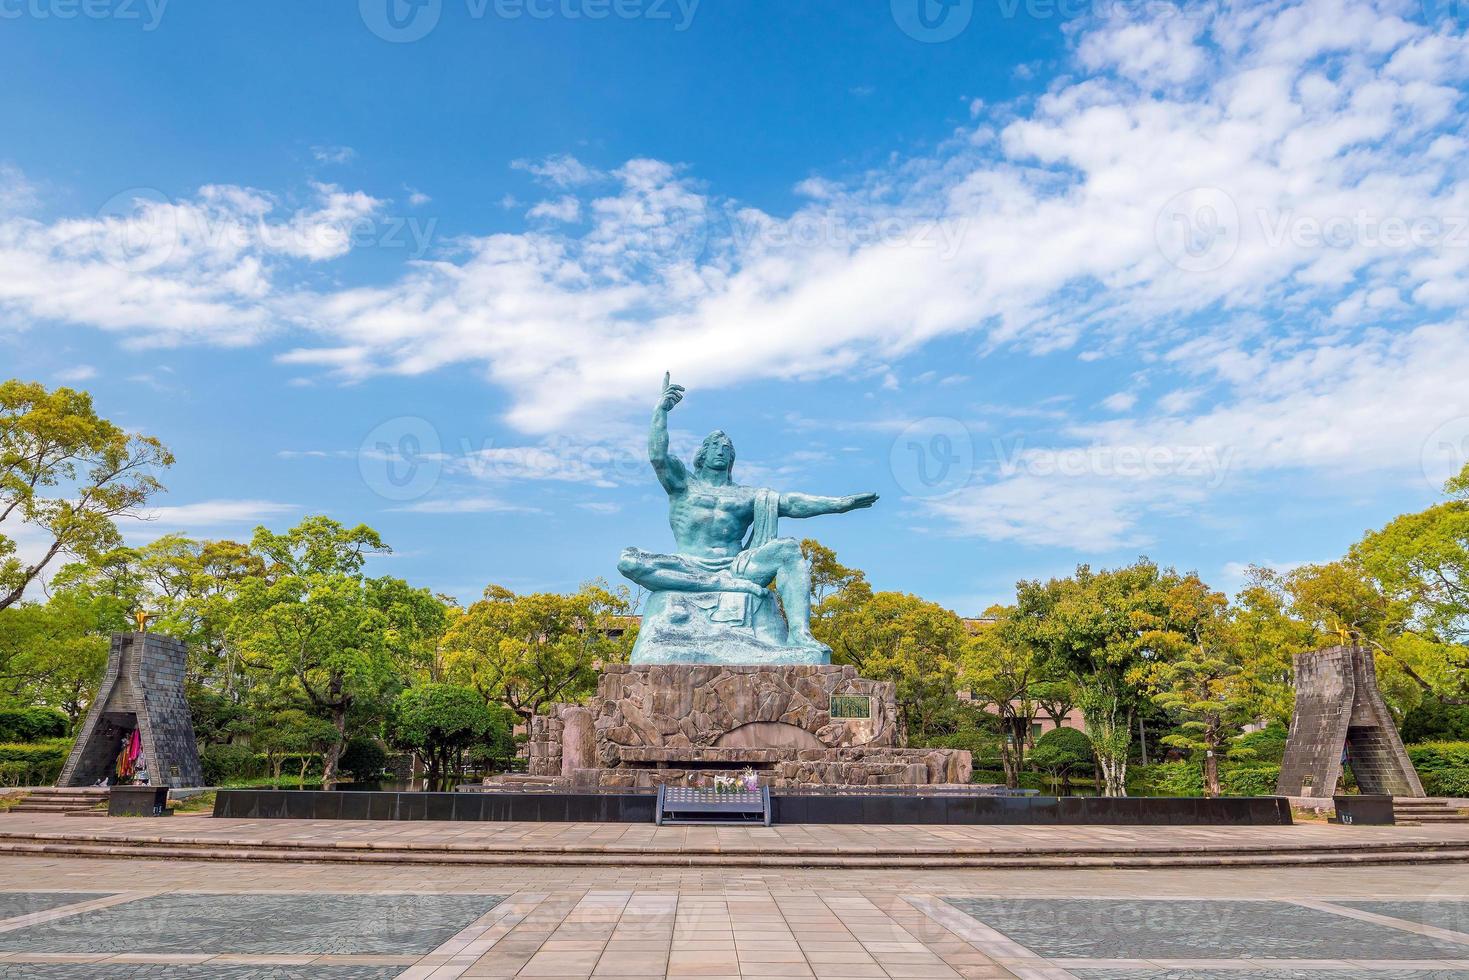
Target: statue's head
[716,453]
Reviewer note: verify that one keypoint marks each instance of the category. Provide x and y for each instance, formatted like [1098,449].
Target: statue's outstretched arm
[670,469]
[811,505]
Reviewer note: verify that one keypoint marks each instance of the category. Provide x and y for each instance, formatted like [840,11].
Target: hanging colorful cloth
[127,759]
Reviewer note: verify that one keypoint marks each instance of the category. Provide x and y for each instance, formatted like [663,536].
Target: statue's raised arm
[670,469]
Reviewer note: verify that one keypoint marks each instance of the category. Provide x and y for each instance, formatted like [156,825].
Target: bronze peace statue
[710,600]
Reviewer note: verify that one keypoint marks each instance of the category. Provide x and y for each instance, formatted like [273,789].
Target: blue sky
[1062,281]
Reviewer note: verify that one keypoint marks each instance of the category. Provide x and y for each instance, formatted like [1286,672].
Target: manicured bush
[1434,756]
[223,764]
[1062,753]
[32,764]
[1265,746]
[1254,780]
[1166,779]
[364,759]
[32,724]
[1446,782]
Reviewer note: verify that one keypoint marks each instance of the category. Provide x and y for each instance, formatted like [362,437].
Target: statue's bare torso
[711,521]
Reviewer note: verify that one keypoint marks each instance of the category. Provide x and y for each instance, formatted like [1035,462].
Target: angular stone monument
[1340,717]
[725,673]
[142,690]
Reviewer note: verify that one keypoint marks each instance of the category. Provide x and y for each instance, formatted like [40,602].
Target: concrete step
[1191,859]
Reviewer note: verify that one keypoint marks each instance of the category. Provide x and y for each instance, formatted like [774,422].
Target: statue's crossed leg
[751,572]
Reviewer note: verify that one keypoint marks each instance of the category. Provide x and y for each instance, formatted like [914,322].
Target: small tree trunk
[1211,773]
[333,754]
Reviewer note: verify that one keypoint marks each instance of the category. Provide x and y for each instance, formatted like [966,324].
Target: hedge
[1434,756]
[1443,767]
[1187,779]
[32,764]
[31,724]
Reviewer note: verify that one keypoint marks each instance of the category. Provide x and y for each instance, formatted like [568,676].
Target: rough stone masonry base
[681,724]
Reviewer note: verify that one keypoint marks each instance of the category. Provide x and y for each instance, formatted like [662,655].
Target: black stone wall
[885,808]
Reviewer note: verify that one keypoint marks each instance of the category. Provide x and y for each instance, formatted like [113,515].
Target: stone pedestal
[682,724]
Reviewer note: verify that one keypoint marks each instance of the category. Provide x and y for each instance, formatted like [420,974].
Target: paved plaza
[72,918]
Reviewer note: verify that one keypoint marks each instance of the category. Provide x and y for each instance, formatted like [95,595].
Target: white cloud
[208,514]
[561,170]
[172,271]
[333,154]
[17,194]
[1122,401]
[565,208]
[75,373]
[464,505]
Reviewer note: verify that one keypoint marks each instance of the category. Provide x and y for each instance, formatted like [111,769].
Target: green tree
[315,624]
[1094,624]
[67,474]
[890,636]
[526,651]
[1001,672]
[1197,673]
[1062,753]
[439,722]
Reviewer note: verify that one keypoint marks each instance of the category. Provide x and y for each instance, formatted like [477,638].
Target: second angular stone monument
[726,674]
[1340,718]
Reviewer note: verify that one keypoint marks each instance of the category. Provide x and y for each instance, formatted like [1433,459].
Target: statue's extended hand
[672,394]
[857,501]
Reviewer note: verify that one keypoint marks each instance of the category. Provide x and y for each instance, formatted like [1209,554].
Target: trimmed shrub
[1446,782]
[1257,780]
[34,764]
[364,760]
[1166,779]
[225,763]
[1265,746]
[1432,756]
[32,724]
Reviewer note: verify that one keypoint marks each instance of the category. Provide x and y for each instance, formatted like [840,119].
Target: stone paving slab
[1440,914]
[215,923]
[823,924]
[1248,974]
[212,971]
[14,904]
[1153,929]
